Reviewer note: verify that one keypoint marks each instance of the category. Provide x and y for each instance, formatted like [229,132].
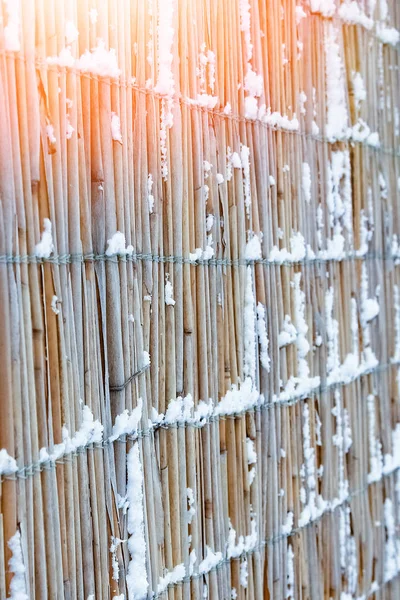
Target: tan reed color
[109,311]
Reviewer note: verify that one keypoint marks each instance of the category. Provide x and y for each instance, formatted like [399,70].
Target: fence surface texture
[199,299]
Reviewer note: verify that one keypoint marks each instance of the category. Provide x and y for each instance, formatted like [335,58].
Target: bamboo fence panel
[194,128]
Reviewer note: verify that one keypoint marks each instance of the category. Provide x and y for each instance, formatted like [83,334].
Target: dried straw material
[199,299]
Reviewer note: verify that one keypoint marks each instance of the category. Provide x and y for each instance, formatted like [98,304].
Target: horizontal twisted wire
[63,259]
[122,386]
[48,465]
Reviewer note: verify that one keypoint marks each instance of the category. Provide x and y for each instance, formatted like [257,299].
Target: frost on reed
[136,577]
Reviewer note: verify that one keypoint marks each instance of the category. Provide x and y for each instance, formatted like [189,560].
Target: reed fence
[199,299]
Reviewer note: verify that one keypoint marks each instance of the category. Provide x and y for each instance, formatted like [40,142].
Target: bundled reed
[199,299]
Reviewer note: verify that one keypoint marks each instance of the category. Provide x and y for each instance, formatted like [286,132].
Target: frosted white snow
[45,247]
[301,384]
[71,32]
[245,544]
[8,464]
[238,399]
[167,120]
[93,15]
[136,577]
[12,29]
[314,505]
[150,197]
[165,82]
[253,84]
[375,446]
[302,101]
[169,292]
[300,14]
[245,162]
[209,222]
[171,578]
[127,423]
[290,572]
[337,114]
[116,128]
[236,162]
[288,334]
[360,132]
[53,305]
[348,556]
[50,134]
[352,367]
[360,93]
[396,303]
[352,14]
[89,432]
[342,440]
[251,460]
[146,358]
[392,546]
[251,108]
[182,411]
[117,245]
[233,160]
[206,63]
[196,255]
[391,462]
[306,181]
[99,61]
[191,503]
[244,573]
[115,542]
[206,168]
[204,101]
[249,328]
[369,306]
[211,560]
[253,248]
[365,235]
[245,23]
[69,129]
[192,561]
[263,337]
[227,109]
[18,589]
[251,453]
[276,120]
[332,334]
[288,525]
[387,35]
[64,59]
[297,251]
[325,7]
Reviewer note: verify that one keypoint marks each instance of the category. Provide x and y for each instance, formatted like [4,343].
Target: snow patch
[116,245]
[136,577]
[45,247]
[18,589]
